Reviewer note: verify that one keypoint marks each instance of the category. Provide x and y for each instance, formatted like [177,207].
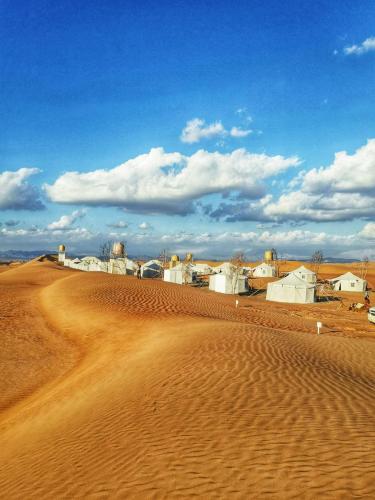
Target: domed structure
[61,248]
[118,249]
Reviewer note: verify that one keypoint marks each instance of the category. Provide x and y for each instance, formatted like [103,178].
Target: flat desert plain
[113,387]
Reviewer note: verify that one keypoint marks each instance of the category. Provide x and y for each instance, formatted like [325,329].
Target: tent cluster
[90,263]
[299,286]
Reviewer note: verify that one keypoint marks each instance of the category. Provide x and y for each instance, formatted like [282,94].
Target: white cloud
[196,130]
[348,173]
[159,182]
[66,221]
[239,132]
[15,191]
[301,206]
[144,226]
[344,190]
[296,242]
[244,114]
[119,225]
[367,45]
[368,231]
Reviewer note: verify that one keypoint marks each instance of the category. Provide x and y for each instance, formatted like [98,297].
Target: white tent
[225,267]
[181,274]
[231,283]
[93,263]
[349,282]
[202,268]
[305,274]
[264,271]
[152,269]
[291,289]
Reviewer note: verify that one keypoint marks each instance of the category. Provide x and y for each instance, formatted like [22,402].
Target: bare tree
[105,251]
[164,257]
[237,261]
[364,266]
[316,260]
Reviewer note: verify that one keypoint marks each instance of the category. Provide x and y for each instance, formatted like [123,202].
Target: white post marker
[236,303]
[319,325]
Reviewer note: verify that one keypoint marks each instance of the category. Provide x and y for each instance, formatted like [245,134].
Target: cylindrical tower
[61,255]
[118,250]
[174,260]
[268,255]
[189,257]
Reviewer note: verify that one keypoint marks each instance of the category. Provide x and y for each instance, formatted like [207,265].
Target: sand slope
[154,390]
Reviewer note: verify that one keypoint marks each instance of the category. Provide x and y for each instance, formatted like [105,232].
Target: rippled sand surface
[117,388]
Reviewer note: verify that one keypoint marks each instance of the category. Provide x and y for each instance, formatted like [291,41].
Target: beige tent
[349,282]
[291,289]
[228,283]
[305,274]
[181,274]
[264,271]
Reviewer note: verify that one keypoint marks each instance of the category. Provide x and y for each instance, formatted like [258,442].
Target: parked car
[371,314]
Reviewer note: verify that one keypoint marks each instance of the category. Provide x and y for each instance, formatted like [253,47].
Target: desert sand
[117,388]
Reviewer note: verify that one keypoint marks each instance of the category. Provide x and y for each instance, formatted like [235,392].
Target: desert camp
[187,250]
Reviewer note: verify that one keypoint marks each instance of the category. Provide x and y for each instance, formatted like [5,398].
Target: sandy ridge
[180,395]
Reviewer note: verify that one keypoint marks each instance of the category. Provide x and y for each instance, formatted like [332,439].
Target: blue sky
[89,86]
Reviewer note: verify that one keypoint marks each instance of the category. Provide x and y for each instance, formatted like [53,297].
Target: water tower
[189,258]
[118,250]
[175,259]
[268,256]
[117,261]
[61,255]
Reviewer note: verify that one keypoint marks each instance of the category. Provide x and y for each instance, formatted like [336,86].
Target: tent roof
[153,263]
[292,280]
[303,269]
[347,277]
[91,257]
[263,264]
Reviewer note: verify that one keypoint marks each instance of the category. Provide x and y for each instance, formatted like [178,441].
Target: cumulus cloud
[348,173]
[197,129]
[67,221]
[343,191]
[239,132]
[367,45]
[144,226]
[119,225]
[15,191]
[160,182]
[40,236]
[242,211]
[294,242]
[301,206]
[368,231]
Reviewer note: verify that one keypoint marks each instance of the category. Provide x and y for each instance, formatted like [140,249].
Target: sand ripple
[179,394]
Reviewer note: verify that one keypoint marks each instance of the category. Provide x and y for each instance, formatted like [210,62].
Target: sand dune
[116,388]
